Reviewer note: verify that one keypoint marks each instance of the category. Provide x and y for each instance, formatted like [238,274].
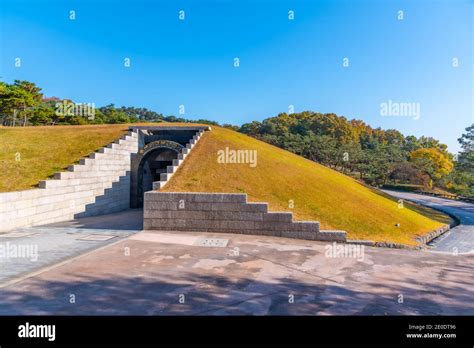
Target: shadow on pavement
[131,219]
[221,295]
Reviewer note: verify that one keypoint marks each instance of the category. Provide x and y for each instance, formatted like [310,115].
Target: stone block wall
[225,212]
[99,184]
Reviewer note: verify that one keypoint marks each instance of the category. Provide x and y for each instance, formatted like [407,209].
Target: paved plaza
[44,246]
[171,273]
[107,265]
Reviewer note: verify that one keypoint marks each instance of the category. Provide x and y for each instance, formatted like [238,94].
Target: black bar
[242,330]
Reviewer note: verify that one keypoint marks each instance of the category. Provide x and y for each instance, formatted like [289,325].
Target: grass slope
[318,193]
[44,151]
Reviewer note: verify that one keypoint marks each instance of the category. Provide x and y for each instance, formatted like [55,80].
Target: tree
[252,129]
[17,98]
[429,142]
[231,126]
[461,180]
[432,162]
[352,147]
[41,115]
[113,115]
[407,172]
[466,156]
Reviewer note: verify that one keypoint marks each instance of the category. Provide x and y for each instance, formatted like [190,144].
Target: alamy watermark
[237,156]
[352,251]
[28,330]
[400,109]
[16,251]
[68,108]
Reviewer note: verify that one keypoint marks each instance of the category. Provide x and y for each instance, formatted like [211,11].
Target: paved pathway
[459,239]
[26,250]
[166,273]
[185,273]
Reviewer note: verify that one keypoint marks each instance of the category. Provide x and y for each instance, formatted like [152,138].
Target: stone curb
[423,240]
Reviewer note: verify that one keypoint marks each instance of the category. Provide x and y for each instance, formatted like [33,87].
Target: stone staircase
[99,184]
[170,170]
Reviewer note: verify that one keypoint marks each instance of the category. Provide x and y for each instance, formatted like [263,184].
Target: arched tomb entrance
[147,166]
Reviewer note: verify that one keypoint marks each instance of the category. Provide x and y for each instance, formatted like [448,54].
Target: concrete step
[165,176]
[332,235]
[278,216]
[203,215]
[196,197]
[199,206]
[171,169]
[158,185]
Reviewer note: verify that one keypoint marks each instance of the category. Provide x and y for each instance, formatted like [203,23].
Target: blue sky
[282,62]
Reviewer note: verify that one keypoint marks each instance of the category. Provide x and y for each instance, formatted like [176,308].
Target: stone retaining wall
[99,184]
[225,212]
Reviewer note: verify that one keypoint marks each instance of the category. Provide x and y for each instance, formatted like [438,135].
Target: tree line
[376,156]
[23,104]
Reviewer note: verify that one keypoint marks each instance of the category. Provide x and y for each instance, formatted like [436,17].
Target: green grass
[318,193]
